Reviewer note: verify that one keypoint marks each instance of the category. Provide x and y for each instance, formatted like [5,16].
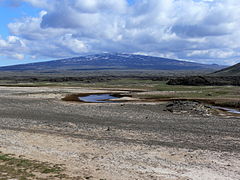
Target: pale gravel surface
[144,141]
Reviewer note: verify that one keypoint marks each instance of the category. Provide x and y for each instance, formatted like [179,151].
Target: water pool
[98,98]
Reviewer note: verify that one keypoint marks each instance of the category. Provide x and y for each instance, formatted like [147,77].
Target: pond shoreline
[120,98]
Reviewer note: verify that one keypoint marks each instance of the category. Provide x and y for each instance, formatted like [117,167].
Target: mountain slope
[111,62]
[229,71]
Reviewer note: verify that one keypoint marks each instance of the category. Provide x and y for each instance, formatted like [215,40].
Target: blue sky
[204,31]
[10,13]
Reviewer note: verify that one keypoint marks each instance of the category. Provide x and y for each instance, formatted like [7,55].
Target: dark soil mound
[188,107]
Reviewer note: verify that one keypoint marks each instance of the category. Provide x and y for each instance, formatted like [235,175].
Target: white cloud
[73,44]
[183,29]
[38,3]
[18,56]
[213,53]
[3,43]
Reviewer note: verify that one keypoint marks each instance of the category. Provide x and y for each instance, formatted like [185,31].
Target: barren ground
[119,140]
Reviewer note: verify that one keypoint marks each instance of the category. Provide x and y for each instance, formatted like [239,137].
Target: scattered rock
[188,107]
[88,177]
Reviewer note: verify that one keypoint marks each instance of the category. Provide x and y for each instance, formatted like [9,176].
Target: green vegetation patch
[114,83]
[23,169]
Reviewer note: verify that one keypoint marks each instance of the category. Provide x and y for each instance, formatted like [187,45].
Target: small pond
[98,98]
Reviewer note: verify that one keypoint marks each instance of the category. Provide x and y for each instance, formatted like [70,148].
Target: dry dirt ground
[117,141]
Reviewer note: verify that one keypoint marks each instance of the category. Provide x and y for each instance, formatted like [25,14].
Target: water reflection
[234,111]
[103,98]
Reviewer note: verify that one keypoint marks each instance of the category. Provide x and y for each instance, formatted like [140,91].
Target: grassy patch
[226,96]
[12,167]
[201,91]
[229,95]
[116,83]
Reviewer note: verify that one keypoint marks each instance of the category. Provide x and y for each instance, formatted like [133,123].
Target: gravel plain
[128,140]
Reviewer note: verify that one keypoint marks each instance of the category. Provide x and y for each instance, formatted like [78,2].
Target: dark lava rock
[194,80]
[205,81]
[188,107]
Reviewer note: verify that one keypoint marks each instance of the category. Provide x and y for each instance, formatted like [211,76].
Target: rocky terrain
[189,107]
[131,140]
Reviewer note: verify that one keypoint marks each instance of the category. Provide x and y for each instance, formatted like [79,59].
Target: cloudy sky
[205,31]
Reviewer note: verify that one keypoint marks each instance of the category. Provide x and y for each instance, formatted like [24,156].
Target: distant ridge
[229,71]
[226,76]
[110,61]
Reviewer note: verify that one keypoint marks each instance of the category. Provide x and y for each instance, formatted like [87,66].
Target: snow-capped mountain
[107,61]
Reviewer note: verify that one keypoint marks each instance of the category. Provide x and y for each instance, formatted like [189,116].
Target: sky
[203,31]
